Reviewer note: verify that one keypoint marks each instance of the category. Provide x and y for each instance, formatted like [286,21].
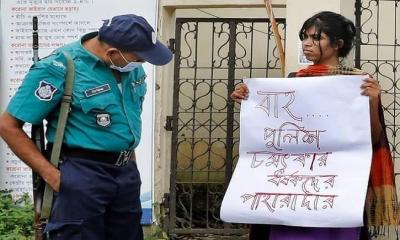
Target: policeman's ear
[111,51]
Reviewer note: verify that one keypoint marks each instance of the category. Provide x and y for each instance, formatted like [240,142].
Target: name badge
[97,90]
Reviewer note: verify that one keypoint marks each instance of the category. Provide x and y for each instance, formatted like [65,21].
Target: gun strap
[62,121]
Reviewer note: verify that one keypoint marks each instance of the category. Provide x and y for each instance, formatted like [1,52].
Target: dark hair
[335,26]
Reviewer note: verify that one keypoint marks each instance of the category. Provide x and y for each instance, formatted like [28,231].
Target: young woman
[328,37]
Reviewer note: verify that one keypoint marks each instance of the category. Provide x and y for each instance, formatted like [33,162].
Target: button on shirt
[101,117]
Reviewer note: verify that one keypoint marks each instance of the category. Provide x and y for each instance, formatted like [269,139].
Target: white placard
[305,153]
[61,22]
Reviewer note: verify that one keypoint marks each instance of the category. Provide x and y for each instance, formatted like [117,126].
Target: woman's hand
[371,88]
[241,93]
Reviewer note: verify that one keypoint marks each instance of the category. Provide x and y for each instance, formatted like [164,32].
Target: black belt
[114,158]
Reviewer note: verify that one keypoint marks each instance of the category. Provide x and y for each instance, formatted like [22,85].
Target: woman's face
[319,49]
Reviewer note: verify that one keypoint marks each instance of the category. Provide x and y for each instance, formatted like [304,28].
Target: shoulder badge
[45,91]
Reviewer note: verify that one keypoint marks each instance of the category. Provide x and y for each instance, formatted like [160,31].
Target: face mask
[127,68]
[130,66]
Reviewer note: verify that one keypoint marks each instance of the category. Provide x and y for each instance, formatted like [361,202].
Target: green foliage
[156,233]
[156,230]
[16,217]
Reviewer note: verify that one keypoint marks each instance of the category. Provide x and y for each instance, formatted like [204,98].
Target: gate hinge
[165,201]
[168,123]
[171,45]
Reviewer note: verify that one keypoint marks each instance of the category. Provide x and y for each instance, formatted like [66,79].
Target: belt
[113,158]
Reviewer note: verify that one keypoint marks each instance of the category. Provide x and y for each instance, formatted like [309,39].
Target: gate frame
[172,125]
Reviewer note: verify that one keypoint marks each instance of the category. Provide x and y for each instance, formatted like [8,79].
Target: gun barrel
[35,23]
[37,136]
[35,39]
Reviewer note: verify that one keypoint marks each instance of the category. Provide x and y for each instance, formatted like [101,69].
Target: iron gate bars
[211,57]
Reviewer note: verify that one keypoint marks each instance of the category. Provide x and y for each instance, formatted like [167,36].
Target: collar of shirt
[89,58]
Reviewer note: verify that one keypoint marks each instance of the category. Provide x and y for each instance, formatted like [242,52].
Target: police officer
[97,185]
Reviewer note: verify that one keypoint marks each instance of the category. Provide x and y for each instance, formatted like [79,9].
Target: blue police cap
[132,33]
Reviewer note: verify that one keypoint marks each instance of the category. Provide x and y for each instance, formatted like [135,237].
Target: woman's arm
[372,89]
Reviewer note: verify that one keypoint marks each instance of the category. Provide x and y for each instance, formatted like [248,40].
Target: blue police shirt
[102,117]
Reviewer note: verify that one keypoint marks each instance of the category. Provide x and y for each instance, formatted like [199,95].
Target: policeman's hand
[371,88]
[53,178]
[241,93]
[57,184]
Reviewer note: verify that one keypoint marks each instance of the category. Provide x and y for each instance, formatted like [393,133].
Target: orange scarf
[381,207]
[324,70]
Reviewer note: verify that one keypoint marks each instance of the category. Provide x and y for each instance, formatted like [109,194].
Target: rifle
[37,136]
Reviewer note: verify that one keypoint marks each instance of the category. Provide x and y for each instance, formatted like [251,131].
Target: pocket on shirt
[98,102]
[100,109]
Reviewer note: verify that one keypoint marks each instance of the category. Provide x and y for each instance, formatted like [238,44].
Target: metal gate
[211,57]
[378,53]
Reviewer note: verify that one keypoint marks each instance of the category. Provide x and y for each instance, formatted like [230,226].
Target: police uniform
[101,116]
[104,120]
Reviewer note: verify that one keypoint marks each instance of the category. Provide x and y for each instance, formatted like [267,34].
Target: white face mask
[130,66]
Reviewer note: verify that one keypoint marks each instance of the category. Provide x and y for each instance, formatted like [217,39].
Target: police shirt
[101,117]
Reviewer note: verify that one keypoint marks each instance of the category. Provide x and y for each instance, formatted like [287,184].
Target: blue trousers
[96,201]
